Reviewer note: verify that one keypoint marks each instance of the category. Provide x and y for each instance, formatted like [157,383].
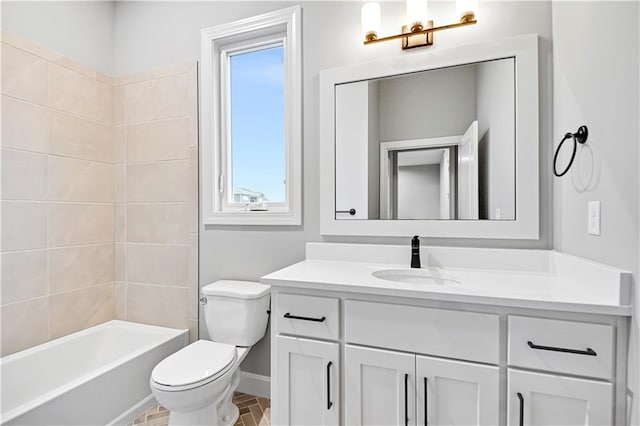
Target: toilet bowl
[196,384]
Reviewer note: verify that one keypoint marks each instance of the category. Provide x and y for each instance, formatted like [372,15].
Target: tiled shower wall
[62,197]
[156,175]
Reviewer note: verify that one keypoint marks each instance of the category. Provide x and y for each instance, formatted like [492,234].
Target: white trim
[286,22]
[526,224]
[385,147]
[255,384]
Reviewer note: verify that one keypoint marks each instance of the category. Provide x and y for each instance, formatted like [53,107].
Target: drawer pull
[521,418]
[288,315]
[406,400]
[426,408]
[589,351]
[329,403]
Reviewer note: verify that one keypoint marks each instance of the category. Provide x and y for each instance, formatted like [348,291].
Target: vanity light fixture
[418,31]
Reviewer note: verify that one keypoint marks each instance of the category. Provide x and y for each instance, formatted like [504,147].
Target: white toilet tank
[236,311]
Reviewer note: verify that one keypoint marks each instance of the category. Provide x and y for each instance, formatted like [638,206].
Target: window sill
[252,218]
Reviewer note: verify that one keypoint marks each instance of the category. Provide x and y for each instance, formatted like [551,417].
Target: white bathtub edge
[133,412]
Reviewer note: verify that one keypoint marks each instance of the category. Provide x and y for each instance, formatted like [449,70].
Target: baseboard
[130,415]
[255,384]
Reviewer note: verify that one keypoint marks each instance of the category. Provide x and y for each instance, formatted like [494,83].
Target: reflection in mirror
[437,144]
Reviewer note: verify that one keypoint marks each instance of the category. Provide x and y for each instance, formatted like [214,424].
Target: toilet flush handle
[203,301]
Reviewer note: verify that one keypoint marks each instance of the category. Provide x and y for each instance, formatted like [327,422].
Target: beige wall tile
[80,223]
[192,141]
[157,305]
[120,301]
[167,71]
[158,223]
[76,93]
[121,262]
[28,46]
[24,275]
[24,324]
[120,183]
[194,291]
[24,225]
[24,125]
[120,233]
[118,105]
[72,268]
[193,189]
[76,137]
[24,75]
[157,182]
[24,175]
[120,145]
[158,140]
[80,180]
[80,309]
[193,330]
[157,99]
[158,264]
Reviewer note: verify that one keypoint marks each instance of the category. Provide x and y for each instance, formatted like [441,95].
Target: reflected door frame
[386,207]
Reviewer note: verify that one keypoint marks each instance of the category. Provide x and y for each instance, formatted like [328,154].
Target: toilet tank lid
[236,289]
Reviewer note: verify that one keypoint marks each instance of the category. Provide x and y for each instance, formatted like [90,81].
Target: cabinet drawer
[308,316]
[454,334]
[569,347]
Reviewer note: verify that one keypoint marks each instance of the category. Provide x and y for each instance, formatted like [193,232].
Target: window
[250,117]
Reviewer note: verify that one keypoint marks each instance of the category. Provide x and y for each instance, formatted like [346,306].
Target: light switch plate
[593,219]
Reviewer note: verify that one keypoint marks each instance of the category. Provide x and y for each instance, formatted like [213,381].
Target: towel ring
[579,137]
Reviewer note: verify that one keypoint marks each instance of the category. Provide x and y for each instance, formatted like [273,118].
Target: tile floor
[254,411]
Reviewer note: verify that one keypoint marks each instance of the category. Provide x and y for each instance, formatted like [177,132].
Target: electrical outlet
[593,220]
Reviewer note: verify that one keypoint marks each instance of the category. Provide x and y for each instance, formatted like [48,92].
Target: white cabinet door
[379,387]
[308,382]
[457,393]
[550,400]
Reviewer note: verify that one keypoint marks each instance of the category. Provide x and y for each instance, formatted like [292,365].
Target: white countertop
[539,279]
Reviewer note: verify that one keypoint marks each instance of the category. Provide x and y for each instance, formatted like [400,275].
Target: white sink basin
[414,276]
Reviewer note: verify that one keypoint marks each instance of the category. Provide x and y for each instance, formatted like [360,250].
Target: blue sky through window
[257,122]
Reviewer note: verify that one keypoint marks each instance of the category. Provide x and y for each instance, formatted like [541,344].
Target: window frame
[217,45]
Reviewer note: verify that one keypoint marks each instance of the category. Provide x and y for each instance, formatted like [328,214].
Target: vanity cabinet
[396,388]
[550,399]
[308,387]
[360,359]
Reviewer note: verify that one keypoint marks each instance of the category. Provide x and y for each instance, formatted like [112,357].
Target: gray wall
[596,83]
[80,30]
[153,34]
[427,105]
[419,191]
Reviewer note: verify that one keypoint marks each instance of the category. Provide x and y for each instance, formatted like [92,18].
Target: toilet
[196,384]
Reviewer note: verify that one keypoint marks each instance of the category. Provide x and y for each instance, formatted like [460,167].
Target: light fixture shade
[370,20]
[416,14]
[467,10]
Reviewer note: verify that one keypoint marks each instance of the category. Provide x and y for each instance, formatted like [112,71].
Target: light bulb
[370,20]
[416,14]
[467,10]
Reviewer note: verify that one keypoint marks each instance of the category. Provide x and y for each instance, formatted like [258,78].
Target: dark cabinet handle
[352,212]
[521,418]
[589,351]
[329,403]
[426,399]
[406,400]
[295,317]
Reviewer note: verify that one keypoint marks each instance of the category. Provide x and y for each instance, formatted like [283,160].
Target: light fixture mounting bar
[424,31]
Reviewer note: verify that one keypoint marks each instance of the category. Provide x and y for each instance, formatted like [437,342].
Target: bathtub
[97,376]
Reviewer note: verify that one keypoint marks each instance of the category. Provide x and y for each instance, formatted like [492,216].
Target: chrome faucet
[415,252]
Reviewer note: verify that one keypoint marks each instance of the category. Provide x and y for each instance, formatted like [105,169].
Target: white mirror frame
[527,198]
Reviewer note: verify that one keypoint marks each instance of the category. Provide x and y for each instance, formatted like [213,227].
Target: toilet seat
[194,365]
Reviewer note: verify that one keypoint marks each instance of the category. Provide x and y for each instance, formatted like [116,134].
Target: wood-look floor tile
[254,411]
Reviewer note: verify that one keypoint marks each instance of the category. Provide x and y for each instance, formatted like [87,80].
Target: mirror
[442,143]
[437,144]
